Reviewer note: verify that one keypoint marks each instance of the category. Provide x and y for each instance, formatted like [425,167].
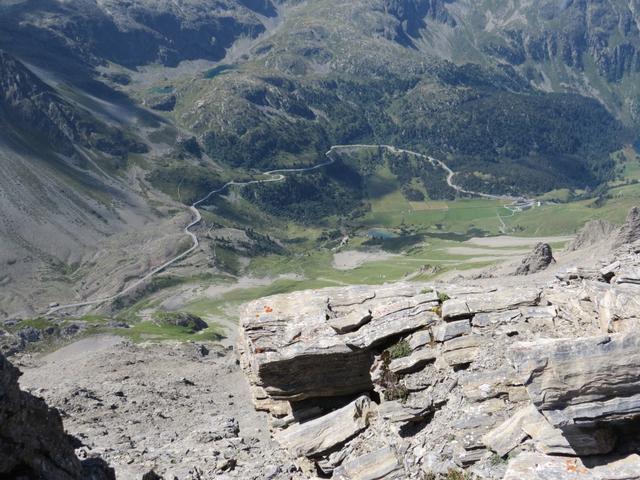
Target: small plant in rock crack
[399,349]
[455,474]
[443,297]
[390,382]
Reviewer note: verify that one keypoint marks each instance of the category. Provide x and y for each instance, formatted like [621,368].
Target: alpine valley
[165,165]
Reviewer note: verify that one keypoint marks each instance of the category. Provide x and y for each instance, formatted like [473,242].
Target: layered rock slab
[296,347]
[324,433]
[585,381]
[504,299]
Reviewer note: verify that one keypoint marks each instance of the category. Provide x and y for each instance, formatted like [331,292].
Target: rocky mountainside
[587,46]
[32,113]
[66,194]
[130,34]
[34,443]
[422,380]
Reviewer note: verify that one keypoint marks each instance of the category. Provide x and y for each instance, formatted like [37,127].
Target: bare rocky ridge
[592,233]
[485,376]
[630,231]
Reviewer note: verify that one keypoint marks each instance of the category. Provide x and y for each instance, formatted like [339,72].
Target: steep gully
[517,204]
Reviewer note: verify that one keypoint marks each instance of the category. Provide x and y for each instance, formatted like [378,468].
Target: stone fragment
[322,434]
[537,466]
[382,464]
[479,386]
[539,312]
[509,434]
[610,270]
[462,350]
[572,441]
[627,275]
[579,273]
[419,339]
[471,430]
[449,330]
[351,322]
[464,356]
[584,381]
[483,320]
[418,381]
[380,329]
[466,458]
[618,307]
[459,343]
[414,362]
[517,394]
[397,412]
[455,308]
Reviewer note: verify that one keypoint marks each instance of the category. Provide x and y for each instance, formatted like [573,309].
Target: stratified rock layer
[582,381]
[295,350]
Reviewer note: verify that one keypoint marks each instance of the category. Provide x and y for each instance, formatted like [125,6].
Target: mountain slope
[64,198]
[114,113]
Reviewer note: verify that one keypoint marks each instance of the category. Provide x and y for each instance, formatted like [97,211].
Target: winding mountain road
[272,176]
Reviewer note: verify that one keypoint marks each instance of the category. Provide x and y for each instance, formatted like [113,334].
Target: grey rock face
[585,381]
[322,434]
[539,259]
[496,371]
[295,349]
[135,35]
[30,105]
[593,232]
[414,362]
[34,443]
[630,231]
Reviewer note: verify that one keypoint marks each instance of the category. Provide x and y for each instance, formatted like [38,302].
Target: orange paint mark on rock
[572,467]
[268,309]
